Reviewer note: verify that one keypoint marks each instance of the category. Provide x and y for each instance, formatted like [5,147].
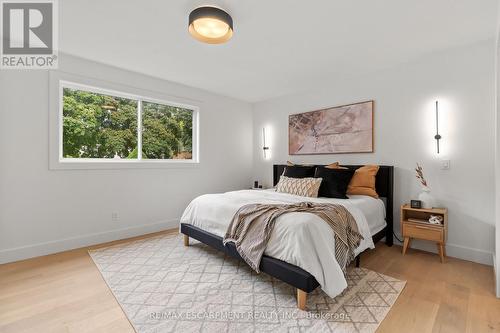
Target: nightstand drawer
[423,232]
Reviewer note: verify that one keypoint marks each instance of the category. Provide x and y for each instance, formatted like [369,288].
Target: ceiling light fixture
[210,25]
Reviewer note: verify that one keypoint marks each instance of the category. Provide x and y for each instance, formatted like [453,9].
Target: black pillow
[335,182]
[299,171]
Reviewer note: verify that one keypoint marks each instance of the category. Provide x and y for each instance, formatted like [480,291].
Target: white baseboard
[456,251]
[41,249]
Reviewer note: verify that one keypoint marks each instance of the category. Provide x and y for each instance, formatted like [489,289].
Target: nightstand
[413,225]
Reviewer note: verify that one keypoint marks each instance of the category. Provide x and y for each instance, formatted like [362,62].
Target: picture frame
[336,130]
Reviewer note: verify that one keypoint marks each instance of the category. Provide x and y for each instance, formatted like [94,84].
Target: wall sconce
[265,148]
[437,136]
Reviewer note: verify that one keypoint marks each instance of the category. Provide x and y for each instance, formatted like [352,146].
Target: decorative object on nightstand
[415,204]
[425,197]
[427,224]
[257,186]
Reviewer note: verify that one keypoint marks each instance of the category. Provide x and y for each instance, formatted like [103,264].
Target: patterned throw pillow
[306,187]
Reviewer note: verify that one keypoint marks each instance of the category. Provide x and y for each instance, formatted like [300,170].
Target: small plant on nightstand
[425,195]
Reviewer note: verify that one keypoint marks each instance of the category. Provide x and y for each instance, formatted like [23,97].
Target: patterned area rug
[163,286]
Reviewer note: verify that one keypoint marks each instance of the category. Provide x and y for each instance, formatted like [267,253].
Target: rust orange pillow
[363,181]
[293,164]
[335,165]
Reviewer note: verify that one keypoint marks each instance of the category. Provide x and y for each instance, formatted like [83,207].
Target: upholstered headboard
[384,184]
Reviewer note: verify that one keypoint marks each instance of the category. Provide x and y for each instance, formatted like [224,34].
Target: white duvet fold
[298,238]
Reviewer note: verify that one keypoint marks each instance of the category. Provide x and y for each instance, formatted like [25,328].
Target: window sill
[109,164]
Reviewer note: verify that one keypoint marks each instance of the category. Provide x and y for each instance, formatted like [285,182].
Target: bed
[206,220]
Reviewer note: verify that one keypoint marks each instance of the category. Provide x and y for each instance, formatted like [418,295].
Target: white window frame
[58,161]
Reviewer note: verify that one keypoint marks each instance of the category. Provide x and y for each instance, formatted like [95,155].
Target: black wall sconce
[437,136]
[265,148]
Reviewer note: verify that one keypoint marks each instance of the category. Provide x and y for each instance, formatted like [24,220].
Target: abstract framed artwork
[336,130]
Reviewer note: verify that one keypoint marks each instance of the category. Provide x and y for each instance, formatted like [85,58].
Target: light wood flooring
[64,292]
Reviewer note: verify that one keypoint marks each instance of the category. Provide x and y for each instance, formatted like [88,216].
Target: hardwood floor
[65,293]
[62,292]
[455,296]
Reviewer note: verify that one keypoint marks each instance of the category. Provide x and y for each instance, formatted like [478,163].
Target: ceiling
[279,47]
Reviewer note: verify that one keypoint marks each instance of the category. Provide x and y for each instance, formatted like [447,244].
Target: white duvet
[298,238]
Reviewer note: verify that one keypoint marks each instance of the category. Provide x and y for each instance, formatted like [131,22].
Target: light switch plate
[445,164]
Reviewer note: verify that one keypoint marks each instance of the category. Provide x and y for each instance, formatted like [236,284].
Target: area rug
[164,286]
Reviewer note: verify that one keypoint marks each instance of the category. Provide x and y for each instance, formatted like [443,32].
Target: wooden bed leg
[186,240]
[301,299]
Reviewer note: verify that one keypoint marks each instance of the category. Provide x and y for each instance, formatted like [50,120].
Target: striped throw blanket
[252,225]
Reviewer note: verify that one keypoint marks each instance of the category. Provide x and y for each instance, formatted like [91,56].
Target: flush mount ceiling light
[210,25]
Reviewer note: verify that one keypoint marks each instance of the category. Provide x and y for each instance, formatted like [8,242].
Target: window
[167,131]
[100,125]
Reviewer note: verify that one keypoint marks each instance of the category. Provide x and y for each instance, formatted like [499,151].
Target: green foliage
[133,154]
[101,126]
[167,130]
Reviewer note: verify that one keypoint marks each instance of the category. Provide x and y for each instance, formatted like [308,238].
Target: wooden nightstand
[412,228]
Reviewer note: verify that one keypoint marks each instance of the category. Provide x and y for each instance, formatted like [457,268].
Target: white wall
[44,211]
[497,173]
[463,81]
[497,157]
